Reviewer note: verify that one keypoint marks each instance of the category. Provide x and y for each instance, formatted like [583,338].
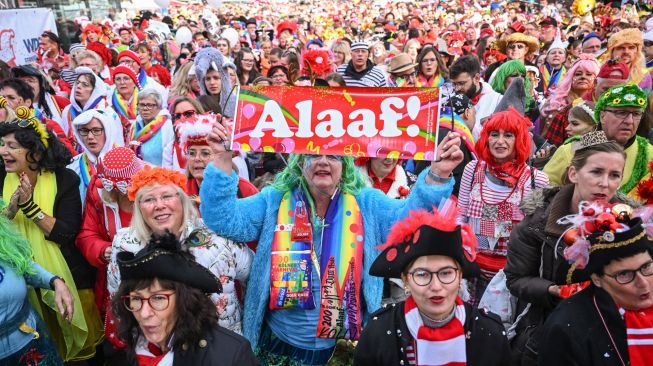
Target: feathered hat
[194,130]
[424,233]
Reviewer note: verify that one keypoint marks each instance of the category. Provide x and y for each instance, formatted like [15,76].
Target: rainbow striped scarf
[340,261]
[142,78]
[120,105]
[86,169]
[436,82]
[551,80]
[459,126]
[141,132]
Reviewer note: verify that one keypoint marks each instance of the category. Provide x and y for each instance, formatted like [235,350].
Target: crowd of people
[131,234]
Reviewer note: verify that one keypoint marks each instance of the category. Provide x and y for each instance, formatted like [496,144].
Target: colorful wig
[558,100]
[506,70]
[291,177]
[15,250]
[510,120]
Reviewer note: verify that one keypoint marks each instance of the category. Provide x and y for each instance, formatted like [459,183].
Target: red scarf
[508,172]
[639,335]
[444,346]
[151,356]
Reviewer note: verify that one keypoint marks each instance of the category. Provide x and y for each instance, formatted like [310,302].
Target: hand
[218,138]
[64,299]
[107,253]
[449,155]
[12,207]
[544,152]
[24,189]
[554,290]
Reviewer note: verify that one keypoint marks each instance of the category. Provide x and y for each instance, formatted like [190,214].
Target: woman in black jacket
[43,201]
[165,314]
[610,322]
[433,326]
[536,265]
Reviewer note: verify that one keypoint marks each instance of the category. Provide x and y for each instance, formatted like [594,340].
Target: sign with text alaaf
[359,122]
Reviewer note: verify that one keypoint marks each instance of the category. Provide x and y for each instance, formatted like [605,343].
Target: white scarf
[143,351]
[401,180]
[438,346]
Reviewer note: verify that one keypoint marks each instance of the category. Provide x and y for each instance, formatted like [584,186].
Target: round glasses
[446,275]
[157,302]
[627,276]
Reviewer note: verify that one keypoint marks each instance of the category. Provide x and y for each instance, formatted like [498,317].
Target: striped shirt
[374,77]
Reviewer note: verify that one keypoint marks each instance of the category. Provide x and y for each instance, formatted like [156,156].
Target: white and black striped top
[374,77]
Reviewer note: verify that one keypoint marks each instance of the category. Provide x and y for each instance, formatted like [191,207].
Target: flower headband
[155,175]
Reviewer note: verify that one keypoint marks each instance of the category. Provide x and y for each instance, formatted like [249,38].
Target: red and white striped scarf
[639,334]
[148,354]
[444,346]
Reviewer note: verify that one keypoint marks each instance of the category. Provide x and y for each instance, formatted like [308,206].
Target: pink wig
[558,100]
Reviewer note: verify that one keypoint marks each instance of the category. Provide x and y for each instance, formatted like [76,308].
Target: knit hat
[423,233]
[122,69]
[131,54]
[76,46]
[627,95]
[149,176]
[102,51]
[610,68]
[359,45]
[116,169]
[194,130]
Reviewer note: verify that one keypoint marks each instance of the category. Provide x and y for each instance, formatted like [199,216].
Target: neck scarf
[141,132]
[550,78]
[509,172]
[142,78]
[639,335]
[128,111]
[351,72]
[86,169]
[436,81]
[340,261]
[148,354]
[437,346]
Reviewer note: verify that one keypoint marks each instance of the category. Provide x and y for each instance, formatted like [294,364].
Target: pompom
[3,102]
[22,112]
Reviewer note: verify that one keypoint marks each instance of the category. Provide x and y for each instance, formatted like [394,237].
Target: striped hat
[116,168]
[359,45]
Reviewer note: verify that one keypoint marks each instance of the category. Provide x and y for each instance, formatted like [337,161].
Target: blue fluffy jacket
[255,217]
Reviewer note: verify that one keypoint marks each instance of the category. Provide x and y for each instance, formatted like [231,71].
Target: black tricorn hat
[423,233]
[608,246]
[163,258]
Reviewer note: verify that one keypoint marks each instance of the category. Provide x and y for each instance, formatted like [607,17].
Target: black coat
[574,333]
[67,211]
[386,336]
[220,347]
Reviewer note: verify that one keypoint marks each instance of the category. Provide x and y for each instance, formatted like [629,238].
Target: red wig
[512,121]
[161,72]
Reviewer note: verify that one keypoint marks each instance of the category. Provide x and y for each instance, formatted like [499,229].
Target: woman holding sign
[318,227]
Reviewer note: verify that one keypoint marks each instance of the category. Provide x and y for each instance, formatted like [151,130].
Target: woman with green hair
[23,336]
[318,229]
[503,76]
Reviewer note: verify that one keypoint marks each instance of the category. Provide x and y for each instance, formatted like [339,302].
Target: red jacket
[94,238]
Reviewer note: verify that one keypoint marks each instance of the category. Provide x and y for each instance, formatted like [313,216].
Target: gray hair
[151,93]
[140,230]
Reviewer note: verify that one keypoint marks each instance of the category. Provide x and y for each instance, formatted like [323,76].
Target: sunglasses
[186,114]
[517,46]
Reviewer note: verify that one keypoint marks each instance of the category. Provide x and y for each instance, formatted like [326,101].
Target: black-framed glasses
[157,302]
[146,106]
[623,114]
[185,114]
[97,131]
[628,275]
[422,277]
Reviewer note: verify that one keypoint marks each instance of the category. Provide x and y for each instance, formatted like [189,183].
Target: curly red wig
[162,72]
[512,121]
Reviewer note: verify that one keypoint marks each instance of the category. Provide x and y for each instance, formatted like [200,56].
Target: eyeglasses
[165,199]
[623,114]
[446,275]
[461,84]
[428,60]
[627,276]
[328,157]
[518,46]
[185,114]
[95,131]
[127,62]
[157,302]
[146,106]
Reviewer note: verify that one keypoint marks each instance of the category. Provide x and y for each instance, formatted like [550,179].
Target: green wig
[506,70]
[291,177]
[15,250]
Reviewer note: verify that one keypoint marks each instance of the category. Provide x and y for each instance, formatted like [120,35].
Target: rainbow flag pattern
[458,125]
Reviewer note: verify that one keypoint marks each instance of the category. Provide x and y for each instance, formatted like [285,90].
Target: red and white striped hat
[194,130]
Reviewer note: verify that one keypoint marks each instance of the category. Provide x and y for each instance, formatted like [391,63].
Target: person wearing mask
[465,75]
[360,71]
